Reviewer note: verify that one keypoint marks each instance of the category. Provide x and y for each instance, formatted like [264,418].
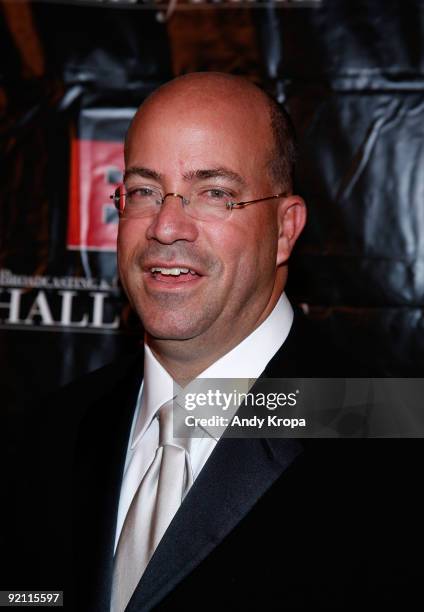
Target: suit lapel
[235,477]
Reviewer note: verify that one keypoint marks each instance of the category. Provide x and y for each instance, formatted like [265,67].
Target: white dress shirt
[246,360]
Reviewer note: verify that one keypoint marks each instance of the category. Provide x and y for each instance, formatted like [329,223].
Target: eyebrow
[218,172]
[143,173]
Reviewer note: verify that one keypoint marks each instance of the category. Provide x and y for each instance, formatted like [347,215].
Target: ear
[291,221]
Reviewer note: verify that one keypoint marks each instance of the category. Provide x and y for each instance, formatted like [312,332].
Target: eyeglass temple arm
[115,199]
[273,197]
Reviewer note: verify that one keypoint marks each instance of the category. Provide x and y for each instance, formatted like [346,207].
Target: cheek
[227,243]
[130,241]
[252,242]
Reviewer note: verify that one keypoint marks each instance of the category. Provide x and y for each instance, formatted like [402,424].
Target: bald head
[221,95]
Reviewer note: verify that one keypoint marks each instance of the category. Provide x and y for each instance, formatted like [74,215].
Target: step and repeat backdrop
[73,72]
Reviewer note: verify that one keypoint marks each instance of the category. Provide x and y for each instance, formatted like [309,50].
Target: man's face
[234,259]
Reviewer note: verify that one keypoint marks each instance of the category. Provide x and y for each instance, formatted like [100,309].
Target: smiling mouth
[173,275]
[173,271]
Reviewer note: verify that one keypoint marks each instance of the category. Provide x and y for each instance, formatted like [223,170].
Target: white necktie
[154,505]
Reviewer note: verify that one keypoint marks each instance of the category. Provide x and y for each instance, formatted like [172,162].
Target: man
[208,222]
[203,276]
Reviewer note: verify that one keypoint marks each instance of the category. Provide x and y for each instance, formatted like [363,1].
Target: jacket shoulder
[309,351]
[100,382]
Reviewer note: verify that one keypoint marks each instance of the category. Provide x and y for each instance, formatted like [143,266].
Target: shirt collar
[246,360]
[157,389]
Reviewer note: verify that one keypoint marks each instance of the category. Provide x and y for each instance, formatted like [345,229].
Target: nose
[172,223]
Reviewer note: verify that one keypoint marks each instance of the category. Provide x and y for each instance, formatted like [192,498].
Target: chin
[168,329]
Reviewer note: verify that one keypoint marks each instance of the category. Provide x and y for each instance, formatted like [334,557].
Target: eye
[142,192]
[217,194]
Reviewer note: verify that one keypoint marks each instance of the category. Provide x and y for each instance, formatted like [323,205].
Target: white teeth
[171,271]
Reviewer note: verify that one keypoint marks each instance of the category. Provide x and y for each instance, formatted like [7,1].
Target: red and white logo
[96,170]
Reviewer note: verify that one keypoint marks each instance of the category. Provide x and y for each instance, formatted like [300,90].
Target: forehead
[185,134]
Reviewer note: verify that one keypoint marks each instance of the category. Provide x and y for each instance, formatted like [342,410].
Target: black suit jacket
[269,524]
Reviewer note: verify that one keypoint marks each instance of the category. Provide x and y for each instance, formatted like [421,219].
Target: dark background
[351,73]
